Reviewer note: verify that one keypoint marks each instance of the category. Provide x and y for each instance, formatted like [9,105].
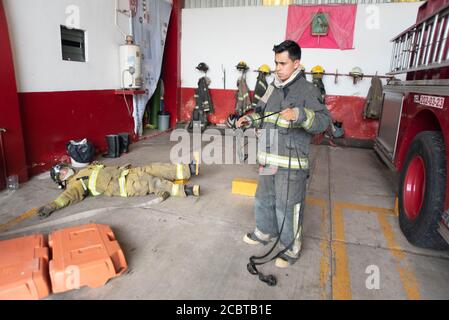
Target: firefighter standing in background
[335,129]
[204,105]
[202,94]
[302,114]
[317,80]
[243,99]
[127,181]
[261,84]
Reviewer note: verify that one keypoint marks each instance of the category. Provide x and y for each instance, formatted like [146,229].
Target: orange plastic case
[24,268]
[86,255]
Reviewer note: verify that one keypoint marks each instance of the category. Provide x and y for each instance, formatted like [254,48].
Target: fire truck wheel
[421,191]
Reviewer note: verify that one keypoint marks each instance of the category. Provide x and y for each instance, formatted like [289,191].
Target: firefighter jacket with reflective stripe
[202,96]
[123,181]
[243,99]
[260,89]
[313,117]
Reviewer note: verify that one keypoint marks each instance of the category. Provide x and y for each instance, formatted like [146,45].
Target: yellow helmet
[264,68]
[317,69]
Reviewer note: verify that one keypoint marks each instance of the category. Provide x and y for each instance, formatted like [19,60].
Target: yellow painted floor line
[20,218]
[361,207]
[406,273]
[325,268]
[341,281]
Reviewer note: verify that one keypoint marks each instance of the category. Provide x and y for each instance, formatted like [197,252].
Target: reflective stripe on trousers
[93,180]
[122,183]
[271,206]
[179,174]
[177,190]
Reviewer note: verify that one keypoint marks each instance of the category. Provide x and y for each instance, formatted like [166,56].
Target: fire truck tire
[421,193]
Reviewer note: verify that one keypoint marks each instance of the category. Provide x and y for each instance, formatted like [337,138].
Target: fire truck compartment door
[390,121]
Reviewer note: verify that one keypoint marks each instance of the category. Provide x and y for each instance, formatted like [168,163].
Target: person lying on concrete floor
[126,181]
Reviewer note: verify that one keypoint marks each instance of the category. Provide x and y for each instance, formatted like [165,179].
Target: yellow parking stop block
[244,187]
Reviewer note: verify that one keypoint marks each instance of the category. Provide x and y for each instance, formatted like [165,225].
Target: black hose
[251,266]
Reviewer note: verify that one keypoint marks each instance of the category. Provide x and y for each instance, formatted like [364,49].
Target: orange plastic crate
[24,268]
[86,255]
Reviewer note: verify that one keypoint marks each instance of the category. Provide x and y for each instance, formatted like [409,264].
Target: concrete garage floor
[192,248]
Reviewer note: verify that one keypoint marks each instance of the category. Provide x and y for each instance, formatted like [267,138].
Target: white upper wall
[225,36]
[34,27]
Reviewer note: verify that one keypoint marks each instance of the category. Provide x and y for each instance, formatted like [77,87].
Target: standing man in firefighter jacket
[302,114]
[127,181]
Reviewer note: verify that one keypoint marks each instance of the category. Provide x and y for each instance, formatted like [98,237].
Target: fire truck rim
[414,187]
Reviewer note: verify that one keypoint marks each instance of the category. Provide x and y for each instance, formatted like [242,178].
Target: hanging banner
[325,26]
[150,26]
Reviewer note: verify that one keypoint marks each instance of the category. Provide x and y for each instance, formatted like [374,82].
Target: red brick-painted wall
[346,109]
[51,119]
[13,144]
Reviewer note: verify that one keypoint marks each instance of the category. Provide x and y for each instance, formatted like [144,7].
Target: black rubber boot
[192,190]
[194,170]
[113,146]
[124,142]
[194,166]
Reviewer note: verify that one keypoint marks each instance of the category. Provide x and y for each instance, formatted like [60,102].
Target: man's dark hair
[294,50]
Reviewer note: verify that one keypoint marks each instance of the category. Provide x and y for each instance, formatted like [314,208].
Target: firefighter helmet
[264,68]
[202,66]
[356,72]
[55,174]
[317,69]
[242,66]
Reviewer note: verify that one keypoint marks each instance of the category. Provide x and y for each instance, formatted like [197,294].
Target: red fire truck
[413,136]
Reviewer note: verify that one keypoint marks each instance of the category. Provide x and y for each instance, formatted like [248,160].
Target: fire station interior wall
[222,37]
[12,148]
[36,38]
[64,100]
[225,36]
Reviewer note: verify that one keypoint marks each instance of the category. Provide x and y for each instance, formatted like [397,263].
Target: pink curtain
[341,19]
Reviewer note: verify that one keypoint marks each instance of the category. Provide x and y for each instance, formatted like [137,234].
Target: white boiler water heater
[130,66]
